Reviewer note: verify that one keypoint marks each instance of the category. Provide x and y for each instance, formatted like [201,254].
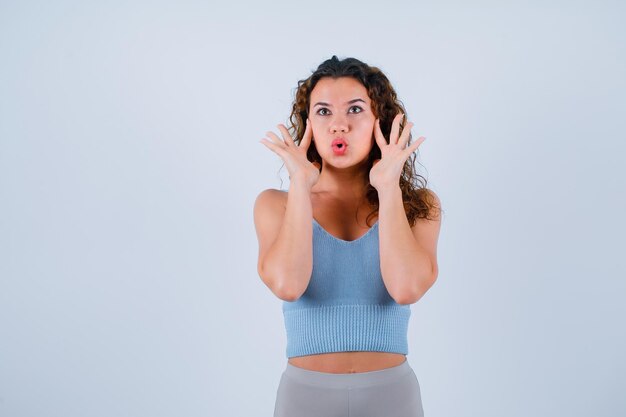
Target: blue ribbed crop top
[346,306]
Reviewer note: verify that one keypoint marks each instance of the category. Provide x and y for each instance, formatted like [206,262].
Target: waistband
[358,379]
[342,328]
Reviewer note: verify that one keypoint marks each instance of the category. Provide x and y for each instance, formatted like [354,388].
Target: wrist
[389,189]
[299,182]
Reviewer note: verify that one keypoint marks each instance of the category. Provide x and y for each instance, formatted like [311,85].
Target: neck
[344,182]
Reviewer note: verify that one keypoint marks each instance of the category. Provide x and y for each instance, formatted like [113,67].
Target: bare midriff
[348,362]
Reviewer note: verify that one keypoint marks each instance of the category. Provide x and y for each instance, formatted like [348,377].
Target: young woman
[349,247]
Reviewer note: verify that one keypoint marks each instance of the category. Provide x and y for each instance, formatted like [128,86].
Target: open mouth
[339,148]
[339,143]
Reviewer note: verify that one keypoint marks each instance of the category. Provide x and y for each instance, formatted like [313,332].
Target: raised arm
[285,231]
[285,235]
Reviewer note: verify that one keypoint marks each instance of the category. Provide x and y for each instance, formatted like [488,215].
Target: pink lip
[337,149]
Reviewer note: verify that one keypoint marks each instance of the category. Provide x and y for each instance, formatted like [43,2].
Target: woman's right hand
[294,156]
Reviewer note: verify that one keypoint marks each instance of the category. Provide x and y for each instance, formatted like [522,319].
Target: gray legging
[389,392]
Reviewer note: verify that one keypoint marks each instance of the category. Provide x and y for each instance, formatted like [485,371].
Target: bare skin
[348,362]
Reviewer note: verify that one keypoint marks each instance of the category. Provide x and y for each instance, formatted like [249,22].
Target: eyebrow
[321,103]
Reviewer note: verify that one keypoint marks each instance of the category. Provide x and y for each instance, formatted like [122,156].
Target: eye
[323,108]
[357,107]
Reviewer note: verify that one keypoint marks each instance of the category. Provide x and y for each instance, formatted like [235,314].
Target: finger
[277,149]
[308,133]
[404,137]
[286,135]
[412,147]
[395,128]
[275,139]
[378,135]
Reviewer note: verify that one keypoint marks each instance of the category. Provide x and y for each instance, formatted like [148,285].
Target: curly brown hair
[419,201]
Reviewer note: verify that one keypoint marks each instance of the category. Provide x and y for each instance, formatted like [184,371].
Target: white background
[130,161]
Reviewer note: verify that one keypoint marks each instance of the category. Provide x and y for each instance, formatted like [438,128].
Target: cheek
[369,126]
[319,127]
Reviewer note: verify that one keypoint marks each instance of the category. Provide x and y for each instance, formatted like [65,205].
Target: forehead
[338,90]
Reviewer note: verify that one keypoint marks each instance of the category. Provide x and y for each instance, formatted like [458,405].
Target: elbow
[281,288]
[286,293]
[414,294]
[407,298]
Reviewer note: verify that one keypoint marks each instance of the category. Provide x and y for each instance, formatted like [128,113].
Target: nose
[339,124]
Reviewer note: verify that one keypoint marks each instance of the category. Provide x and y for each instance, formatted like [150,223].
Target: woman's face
[341,108]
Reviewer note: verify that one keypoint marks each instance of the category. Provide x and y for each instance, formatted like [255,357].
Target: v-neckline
[346,241]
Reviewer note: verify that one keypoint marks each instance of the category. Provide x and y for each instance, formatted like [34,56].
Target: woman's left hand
[386,171]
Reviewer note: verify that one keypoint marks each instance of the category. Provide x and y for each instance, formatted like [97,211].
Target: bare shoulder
[435,196]
[426,231]
[435,203]
[269,203]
